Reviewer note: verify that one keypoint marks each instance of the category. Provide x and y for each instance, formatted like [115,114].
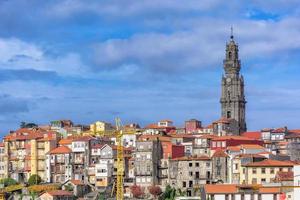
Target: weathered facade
[233,101]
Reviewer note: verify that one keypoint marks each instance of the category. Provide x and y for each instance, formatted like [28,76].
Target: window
[183,184]
[190,183]
[263,170]
[191,173]
[280,169]
[190,164]
[197,164]
[272,171]
[236,166]
[228,112]
[197,175]
[254,180]
[254,171]
[244,170]
[263,180]
[208,164]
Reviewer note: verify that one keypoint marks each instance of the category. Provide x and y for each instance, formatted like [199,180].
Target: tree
[69,187]
[8,181]
[137,191]
[155,191]
[34,179]
[169,193]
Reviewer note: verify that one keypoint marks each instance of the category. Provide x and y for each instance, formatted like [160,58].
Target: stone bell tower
[233,101]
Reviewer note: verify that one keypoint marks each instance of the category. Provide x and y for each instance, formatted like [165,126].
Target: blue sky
[145,60]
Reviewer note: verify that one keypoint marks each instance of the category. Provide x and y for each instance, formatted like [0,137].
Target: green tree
[69,187]
[169,193]
[8,181]
[34,179]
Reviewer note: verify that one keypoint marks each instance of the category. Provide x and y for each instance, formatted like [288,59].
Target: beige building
[264,171]
[25,151]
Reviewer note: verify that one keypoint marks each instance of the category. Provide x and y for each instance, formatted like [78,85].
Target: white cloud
[17,54]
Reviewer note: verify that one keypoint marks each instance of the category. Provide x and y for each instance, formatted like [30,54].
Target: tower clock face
[228,80]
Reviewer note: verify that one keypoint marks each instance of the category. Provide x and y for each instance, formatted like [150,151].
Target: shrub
[136,191]
[34,179]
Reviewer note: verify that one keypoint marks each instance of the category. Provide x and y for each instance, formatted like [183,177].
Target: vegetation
[155,191]
[42,188]
[34,179]
[137,191]
[8,182]
[69,187]
[169,193]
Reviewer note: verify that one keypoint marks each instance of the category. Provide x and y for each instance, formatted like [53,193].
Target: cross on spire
[231,35]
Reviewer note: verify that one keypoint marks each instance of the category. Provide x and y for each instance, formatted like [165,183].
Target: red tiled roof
[222,120]
[253,134]
[190,158]
[250,156]
[155,137]
[65,141]
[60,193]
[77,182]
[219,154]
[61,150]
[221,189]
[269,190]
[230,138]
[1,144]
[270,163]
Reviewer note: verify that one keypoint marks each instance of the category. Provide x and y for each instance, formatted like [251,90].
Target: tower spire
[231,34]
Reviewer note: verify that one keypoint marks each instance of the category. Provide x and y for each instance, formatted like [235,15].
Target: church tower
[233,98]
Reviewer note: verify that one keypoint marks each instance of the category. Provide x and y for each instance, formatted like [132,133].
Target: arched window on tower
[228,114]
[229,55]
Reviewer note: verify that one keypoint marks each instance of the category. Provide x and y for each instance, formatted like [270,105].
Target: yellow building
[25,151]
[264,171]
[100,126]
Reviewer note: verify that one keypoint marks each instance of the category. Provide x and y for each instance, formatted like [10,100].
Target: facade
[147,159]
[220,162]
[59,165]
[190,173]
[264,171]
[241,192]
[2,161]
[192,126]
[25,151]
[233,101]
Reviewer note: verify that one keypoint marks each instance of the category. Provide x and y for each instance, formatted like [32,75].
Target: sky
[144,61]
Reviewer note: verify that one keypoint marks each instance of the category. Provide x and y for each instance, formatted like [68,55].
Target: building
[59,167]
[233,101]
[190,173]
[2,161]
[220,162]
[192,126]
[26,150]
[57,195]
[100,126]
[264,171]
[241,192]
[147,160]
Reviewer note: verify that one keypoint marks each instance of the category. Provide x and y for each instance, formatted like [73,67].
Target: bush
[34,179]
[8,182]
[136,191]
[155,191]
[42,188]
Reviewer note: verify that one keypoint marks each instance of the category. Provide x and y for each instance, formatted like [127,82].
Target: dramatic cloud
[145,60]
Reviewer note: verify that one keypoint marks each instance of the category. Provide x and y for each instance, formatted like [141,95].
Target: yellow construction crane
[118,134]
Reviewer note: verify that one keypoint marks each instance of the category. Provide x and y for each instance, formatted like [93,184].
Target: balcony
[79,161]
[41,157]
